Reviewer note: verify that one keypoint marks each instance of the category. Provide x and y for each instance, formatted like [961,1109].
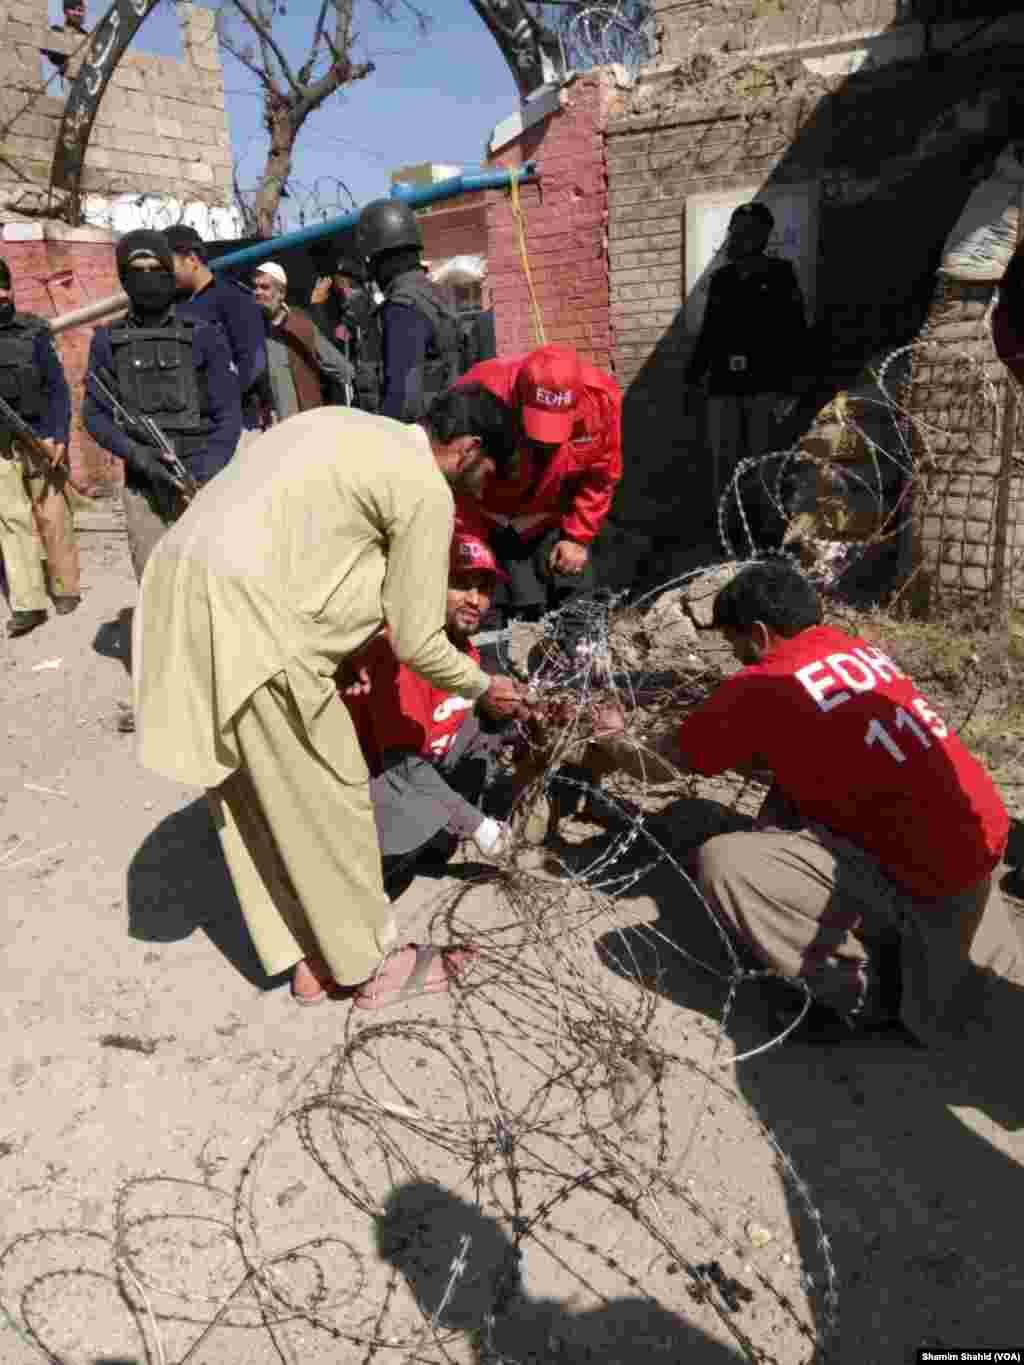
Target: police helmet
[388,225]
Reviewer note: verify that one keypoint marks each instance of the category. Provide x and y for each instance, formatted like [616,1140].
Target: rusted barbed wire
[547,1113]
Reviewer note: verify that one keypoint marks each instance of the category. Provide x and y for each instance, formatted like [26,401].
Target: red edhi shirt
[402,710]
[575,489]
[856,747]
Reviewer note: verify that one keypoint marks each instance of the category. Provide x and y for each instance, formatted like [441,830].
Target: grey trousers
[415,799]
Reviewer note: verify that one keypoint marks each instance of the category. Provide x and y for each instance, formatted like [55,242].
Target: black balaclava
[6,308]
[151,292]
[390,264]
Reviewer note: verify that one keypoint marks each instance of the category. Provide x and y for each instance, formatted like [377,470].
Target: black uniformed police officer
[203,295]
[752,348]
[419,330]
[176,371]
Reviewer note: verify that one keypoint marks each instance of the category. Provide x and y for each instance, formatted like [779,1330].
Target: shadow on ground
[178,882]
[420,1233]
[113,639]
[885,1137]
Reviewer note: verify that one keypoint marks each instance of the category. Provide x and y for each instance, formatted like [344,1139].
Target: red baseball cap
[549,387]
[470,554]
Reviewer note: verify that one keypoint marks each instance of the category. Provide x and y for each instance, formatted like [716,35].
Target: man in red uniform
[543,520]
[880,823]
[424,748]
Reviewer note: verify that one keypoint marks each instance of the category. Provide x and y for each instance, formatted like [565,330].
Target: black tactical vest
[20,381]
[157,377]
[440,366]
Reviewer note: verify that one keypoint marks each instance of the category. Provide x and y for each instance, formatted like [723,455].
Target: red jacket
[854,745]
[402,710]
[575,489]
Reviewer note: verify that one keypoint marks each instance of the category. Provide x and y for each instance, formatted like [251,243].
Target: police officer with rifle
[161,396]
[173,370]
[419,328]
[37,405]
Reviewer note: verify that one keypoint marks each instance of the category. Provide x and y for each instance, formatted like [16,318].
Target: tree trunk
[283,134]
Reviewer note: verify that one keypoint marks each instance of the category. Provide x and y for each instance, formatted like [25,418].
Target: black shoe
[64,606]
[822,1027]
[438,851]
[22,622]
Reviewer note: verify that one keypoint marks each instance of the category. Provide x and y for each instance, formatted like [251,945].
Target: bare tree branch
[263,30]
[290,96]
[306,70]
[240,55]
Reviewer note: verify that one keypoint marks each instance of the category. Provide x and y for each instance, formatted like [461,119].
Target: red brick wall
[458,231]
[55,277]
[566,218]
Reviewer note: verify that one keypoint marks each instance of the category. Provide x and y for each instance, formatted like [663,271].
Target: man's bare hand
[505,699]
[609,722]
[353,682]
[568,557]
[321,290]
[58,452]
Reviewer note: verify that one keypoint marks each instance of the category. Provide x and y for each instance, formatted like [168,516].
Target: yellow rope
[520,217]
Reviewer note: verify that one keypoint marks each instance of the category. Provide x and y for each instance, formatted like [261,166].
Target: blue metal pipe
[415,198]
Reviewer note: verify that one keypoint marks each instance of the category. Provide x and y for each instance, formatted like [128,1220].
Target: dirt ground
[558,1162]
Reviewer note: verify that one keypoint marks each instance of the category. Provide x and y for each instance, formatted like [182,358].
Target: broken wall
[161,128]
[866,146]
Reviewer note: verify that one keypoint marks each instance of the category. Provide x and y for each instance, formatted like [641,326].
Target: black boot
[22,622]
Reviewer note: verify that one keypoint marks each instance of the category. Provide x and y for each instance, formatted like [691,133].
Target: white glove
[492,838]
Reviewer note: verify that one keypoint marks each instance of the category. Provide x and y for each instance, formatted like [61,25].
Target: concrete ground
[557,1162]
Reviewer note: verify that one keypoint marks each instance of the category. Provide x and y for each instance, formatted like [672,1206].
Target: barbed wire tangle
[541,1164]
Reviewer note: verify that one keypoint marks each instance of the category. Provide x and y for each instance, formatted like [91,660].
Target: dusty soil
[557,1162]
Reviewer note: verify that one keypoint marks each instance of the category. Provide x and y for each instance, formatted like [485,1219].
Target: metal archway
[110,38]
[531,50]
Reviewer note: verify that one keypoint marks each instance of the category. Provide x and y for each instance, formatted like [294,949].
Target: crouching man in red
[880,823]
[424,748]
[543,519]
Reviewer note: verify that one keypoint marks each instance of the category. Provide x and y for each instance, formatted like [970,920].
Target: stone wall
[884,120]
[892,142]
[161,128]
[726,29]
[565,227]
[958,392]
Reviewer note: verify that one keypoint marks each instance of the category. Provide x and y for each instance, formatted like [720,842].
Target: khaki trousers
[145,523]
[301,843]
[56,526]
[813,906]
[19,543]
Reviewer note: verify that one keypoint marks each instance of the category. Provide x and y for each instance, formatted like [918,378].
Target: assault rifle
[147,431]
[37,454]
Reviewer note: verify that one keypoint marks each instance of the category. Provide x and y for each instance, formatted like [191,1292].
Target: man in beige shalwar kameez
[336,524]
